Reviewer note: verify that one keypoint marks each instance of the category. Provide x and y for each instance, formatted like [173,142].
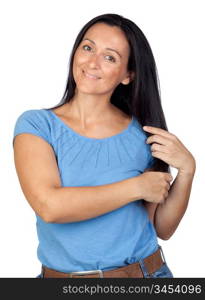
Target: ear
[130,76]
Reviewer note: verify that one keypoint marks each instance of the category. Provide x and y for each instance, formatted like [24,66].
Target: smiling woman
[99,69]
[89,171]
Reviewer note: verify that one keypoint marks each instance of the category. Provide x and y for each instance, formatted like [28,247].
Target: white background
[36,40]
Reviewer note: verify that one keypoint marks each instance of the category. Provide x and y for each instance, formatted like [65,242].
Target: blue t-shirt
[109,241]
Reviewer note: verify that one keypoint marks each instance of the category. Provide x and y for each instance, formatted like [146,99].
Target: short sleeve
[34,122]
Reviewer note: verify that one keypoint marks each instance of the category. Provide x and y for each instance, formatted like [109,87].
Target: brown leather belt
[152,263]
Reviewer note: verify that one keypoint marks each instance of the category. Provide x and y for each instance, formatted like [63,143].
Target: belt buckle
[87,272]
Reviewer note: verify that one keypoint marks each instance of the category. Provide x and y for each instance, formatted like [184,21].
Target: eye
[87,48]
[110,58]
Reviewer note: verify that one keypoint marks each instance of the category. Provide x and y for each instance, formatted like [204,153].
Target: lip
[91,76]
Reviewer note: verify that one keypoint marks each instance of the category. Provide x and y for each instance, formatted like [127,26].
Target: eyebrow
[105,48]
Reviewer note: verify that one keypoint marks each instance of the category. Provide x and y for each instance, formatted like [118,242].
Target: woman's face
[100,61]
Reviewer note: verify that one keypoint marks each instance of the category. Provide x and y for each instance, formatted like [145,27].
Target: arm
[39,178]
[72,204]
[169,214]
[167,147]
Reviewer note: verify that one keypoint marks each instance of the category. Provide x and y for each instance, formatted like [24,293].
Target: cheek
[114,74]
[77,63]
[77,60]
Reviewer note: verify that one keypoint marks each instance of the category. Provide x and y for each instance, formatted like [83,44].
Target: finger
[160,148]
[156,130]
[158,139]
[166,195]
[170,178]
[168,186]
[161,155]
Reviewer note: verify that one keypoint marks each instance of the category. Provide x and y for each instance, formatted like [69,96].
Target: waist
[152,263]
[73,248]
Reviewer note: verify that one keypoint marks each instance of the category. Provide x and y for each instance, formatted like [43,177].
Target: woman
[101,192]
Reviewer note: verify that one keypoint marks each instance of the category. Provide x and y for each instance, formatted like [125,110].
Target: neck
[88,109]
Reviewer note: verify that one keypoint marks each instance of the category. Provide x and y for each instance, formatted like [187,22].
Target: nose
[93,62]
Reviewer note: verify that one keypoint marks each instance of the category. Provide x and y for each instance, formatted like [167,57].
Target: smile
[91,76]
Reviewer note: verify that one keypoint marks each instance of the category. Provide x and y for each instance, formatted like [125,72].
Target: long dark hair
[141,97]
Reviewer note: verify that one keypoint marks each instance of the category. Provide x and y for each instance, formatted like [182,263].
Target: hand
[154,186]
[167,147]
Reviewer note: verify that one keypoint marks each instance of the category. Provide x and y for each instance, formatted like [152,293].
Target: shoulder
[35,117]
[33,114]
[34,121]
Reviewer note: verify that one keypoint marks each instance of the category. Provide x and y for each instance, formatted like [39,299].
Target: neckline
[86,137]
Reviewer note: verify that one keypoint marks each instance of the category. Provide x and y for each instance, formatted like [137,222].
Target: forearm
[169,214]
[72,204]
